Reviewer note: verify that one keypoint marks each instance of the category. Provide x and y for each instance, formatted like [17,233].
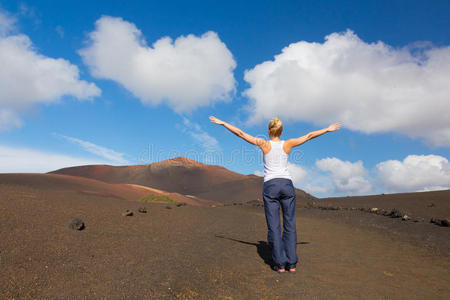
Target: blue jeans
[276,192]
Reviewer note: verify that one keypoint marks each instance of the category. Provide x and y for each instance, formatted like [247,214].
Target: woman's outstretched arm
[245,136]
[303,139]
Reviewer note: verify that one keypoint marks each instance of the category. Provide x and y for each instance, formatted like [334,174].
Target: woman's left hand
[216,121]
[334,127]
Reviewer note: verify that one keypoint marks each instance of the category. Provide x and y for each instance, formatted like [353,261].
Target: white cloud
[6,22]
[23,160]
[317,189]
[9,119]
[333,177]
[28,78]
[414,173]
[347,177]
[259,173]
[208,143]
[298,173]
[101,151]
[186,73]
[368,87]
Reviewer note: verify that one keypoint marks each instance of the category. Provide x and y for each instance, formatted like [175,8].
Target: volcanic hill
[184,176]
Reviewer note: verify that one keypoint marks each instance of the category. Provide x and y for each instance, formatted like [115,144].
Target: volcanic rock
[76,224]
[395,213]
[127,213]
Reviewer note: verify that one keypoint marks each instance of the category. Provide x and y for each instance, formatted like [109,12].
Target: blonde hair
[275,127]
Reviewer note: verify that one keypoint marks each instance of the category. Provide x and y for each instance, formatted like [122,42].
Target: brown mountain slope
[68,186]
[184,176]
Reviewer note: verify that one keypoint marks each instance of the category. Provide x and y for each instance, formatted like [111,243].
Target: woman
[278,189]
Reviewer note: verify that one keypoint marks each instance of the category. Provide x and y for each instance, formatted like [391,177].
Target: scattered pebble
[405,218]
[374,209]
[181,204]
[443,222]
[76,224]
[142,210]
[127,213]
[395,213]
[381,212]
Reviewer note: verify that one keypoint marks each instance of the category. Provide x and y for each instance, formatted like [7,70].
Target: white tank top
[276,162]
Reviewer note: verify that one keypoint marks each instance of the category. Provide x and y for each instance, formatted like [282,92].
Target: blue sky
[84,82]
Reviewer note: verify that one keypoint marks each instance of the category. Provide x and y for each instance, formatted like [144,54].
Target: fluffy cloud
[414,173]
[368,87]
[330,177]
[6,22]
[347,177]
[28,78]
[259,173]
[108,154]
[298,174]
[9,119]
[206,141]
[23,160]
[317,189]
[188,72]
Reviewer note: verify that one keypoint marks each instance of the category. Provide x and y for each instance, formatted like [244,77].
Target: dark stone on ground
[169,207]
[395,213]
[181,204]
[252,202]
[76,224]
[381,212]
[142,210]
[127,213]
[443,222]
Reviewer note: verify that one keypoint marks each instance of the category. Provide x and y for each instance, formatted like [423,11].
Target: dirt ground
[206,252]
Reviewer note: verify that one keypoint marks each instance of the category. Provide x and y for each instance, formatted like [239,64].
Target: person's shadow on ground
[262,247]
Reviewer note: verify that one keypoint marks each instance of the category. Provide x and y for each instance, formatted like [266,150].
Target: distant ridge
[180,160]
[184,176]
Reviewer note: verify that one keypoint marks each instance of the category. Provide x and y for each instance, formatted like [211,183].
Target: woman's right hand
[216,121]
